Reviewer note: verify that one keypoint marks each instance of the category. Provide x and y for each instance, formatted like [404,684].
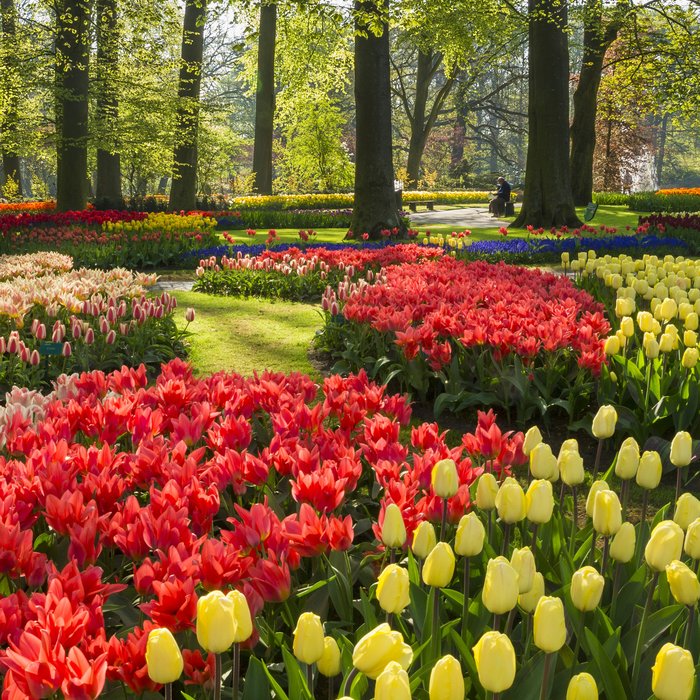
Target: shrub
[664,202]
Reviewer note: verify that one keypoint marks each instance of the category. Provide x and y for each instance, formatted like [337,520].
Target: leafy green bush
[654,201]
[611,198]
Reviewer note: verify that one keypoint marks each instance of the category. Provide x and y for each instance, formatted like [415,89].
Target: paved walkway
[471,217]
[173,286]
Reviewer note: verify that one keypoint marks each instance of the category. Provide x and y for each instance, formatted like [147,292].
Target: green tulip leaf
[610,678]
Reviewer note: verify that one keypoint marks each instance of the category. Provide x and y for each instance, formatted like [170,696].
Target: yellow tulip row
[160,221]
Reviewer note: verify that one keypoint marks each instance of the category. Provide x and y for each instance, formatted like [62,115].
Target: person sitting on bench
[497,206]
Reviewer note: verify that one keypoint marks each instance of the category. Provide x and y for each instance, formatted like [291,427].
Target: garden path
[470,217]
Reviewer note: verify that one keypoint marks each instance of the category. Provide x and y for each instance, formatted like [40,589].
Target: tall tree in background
[183,192]
[108,186]
[9,115]
[265,99]
[548,200]
[597,38]
[375,200]
[72,83]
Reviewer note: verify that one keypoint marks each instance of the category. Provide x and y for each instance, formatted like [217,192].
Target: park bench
[428,204]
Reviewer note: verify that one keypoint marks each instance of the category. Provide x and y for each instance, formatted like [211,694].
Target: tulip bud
[612,345]
[690,338]
[528,601]
[393,528]
[163,658]
[542,462]
[549,624]
[571,467]
[500,592]
[215,624]
[673,674]
[623,543]
[664,545]
[645,321]
[539,501]
[510,501]
[392,683]
[607,513]
[687,510]
[445,479]
[533,437]
[649,471]
[189,315]
[683,583]
[582,687]
[424,539]
[681,449]
[469,540]
[329,663]
[692,540]
[690,358]
[627,461]
[604,422]
[446,680]
[34,358]
[439,566]
[665,343]
[600,485]
[393,589]
[308,643]
[586,589]
[486,491]
[627,326]
[379,647]
[652,349]
[67,350]
[523,561]
[243,624]
[669,309]
[494,656]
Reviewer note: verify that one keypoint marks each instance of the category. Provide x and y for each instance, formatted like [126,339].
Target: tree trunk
[9,123]
[183,191]
[375,200]
[72,82]
[416,146]
[596,40]
[661,153]
[108,183]
[548,200]
[265,100]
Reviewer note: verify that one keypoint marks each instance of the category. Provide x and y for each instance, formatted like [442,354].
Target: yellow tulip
[599,485]
[392,683]
[604,422]
[683,582]
[379,647]
[393,589]
[690,358]
[500,592]
[627,326]
[533,437]
[687,510]
[163,658]
[607,513]
[586,589]
[308,643]
[673,674]
[612,345]
[523,561]
[446,680]
[542,462]
[539,501]
[669,309]
[650,470]
[242,622]
[494,656]
[645,321]
[445,479]
[528,601]
[571,467]
[623,543]
[424,539]
[652,349]
[510,501]
[393,527]
[665,343]
[215,623]
[681,449]
[550,626]
[469,540]
[329,663]
[691,321]
[664,545]
[691,546]
[627,461]
[486,491]
[582,687]
[439,567]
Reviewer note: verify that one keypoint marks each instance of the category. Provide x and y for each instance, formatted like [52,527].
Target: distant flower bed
[19,207]
[517,338]
[666,201]
[681,190]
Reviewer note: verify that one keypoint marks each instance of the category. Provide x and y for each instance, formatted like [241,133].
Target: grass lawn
[244,335]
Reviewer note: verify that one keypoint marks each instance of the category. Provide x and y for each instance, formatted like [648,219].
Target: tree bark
[265,99]
[661,153]
[9,124]
[108,185]
[548,200]
[72,82]
[183,191]
[375,200]
[596,40]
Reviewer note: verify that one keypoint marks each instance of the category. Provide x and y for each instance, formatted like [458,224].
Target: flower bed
[300,274]
[472,333]
[665,201]
[18,207]
[54,321]
[33,265]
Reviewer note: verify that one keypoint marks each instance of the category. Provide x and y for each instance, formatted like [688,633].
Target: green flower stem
[490,526]
[506,538]
[443,522]
[533,544]
[593,547]
[168,689]
[435,640]
[348,681]
[310,678]
[236,669]
[689,626]
[574,522]
[640,637]
[579,636]
[496,622]
[598,455]
[217,676]
[544,690]
[509,621]
[616,586]
[678,483]
[646,393]
[606,551]
[465,602]
[625,491]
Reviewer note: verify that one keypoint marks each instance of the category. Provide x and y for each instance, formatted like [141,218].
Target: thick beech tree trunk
[548,200]
[9,123]
[108,186]
[375,200]
[183,191]
[596,40]
[72,83]
[661,149]
[265,99]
